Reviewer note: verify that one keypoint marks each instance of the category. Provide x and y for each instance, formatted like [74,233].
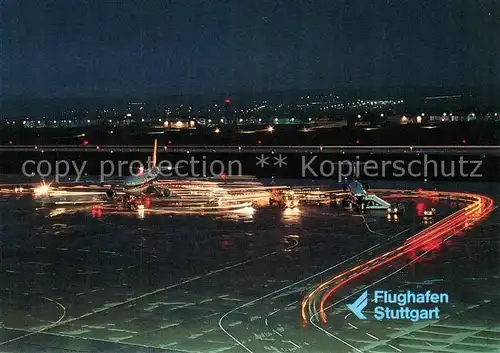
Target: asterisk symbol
[262,161]
[280,161]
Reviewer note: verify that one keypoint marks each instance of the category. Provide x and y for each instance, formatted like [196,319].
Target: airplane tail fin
[155,149]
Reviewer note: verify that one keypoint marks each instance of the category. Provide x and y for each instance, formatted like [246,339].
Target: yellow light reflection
[292,215]
[42,190]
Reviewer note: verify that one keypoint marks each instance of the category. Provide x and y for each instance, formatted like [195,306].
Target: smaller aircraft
[356,194]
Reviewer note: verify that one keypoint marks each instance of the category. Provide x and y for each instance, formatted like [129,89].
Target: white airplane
[143,183]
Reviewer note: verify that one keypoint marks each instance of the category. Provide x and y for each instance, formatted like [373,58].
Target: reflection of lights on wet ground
[226,242]
[140,211]
[291,215]
[96,211]
[57,212]
[246,211]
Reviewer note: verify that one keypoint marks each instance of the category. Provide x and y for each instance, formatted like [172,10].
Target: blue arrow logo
[359,305]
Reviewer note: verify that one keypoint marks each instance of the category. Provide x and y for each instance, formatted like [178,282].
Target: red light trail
[478,207]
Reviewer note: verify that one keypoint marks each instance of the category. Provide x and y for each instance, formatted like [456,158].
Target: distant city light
[227,101]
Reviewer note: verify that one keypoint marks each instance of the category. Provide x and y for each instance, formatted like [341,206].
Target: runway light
[217,131]
[463,141]
[259,142]
[42,190]
[85,143]
[97,147]
[270,129]
[357,142]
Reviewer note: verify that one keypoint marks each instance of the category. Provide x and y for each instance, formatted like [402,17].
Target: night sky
[112,48]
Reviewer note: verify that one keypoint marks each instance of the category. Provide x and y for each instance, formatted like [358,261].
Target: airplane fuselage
[138,184]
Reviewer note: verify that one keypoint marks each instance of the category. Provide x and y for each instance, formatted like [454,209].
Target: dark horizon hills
[486,97]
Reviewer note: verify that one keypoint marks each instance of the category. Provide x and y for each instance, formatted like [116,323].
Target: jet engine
[163,192]
[110,193]
[166,192]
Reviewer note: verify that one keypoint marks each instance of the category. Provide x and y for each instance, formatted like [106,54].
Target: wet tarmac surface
[95,282]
